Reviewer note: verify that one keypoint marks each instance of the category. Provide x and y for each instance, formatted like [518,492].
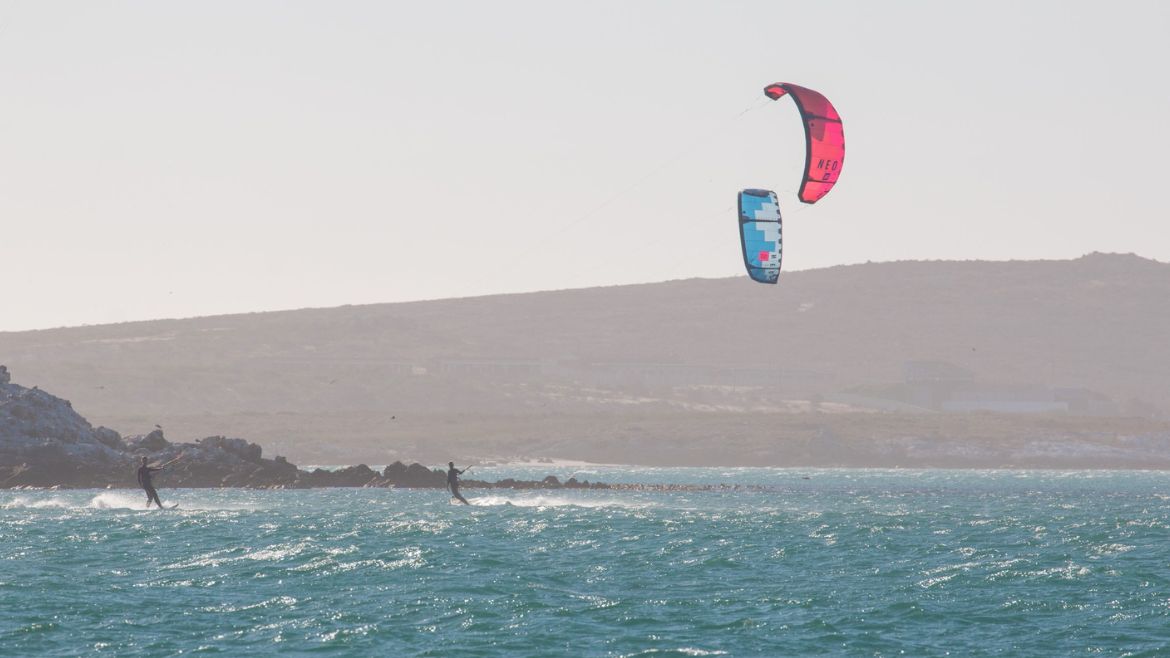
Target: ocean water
[820,562]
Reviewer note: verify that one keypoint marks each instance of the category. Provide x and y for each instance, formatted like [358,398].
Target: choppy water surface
[844,562]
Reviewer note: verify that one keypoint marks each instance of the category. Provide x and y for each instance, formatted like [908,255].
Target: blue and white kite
[759,232]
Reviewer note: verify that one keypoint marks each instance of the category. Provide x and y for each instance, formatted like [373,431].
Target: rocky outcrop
[550,482]
[350,476]
[45,443]
[415,476]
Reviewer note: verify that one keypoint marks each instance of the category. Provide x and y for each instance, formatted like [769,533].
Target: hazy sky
[166,159]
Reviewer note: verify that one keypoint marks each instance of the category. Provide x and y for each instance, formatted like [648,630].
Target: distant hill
[606,372]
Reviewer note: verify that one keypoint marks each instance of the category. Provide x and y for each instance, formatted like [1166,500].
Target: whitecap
[26,503]
[556,501]
[684,651]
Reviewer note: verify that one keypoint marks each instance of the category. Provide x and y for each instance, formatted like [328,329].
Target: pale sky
[167,159]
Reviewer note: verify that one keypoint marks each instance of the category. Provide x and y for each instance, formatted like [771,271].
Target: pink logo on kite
[764,256]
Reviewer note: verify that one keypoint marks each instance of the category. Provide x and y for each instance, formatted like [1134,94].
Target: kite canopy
[824,138]
[759,232]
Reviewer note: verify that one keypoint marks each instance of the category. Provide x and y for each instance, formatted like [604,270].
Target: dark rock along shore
[44,442]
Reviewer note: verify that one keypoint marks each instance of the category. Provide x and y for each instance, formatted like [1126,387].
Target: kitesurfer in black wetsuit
[453,481]
[144,474]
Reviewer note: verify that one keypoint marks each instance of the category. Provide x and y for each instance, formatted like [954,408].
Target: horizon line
[556,290]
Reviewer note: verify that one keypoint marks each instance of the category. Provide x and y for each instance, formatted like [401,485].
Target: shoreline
[552,483]
[45,443]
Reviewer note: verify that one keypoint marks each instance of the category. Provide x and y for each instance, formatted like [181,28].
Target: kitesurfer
[453,481]
[144,473]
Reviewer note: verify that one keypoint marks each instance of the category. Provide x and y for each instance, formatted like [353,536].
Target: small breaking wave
[26,503]
[111,500]
[555,501]
[106,500]
[683,651]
